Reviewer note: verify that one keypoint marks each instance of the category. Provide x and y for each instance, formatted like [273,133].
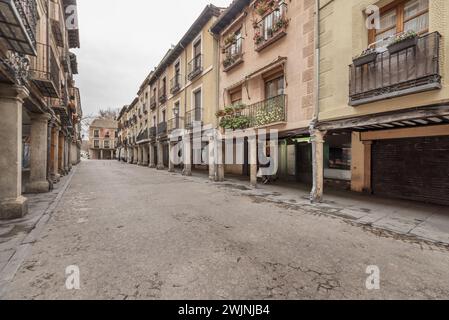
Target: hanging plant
[229,61]
[258,38]
[282,23]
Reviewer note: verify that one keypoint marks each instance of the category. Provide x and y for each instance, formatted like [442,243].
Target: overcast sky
[122,41]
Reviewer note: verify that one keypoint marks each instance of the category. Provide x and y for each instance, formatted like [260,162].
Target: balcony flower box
[366,57]
[403,42]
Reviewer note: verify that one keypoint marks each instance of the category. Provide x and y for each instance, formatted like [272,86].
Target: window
[402,16]
[163,115]
[164,86]
[154,121]
[96,133]
[274,88]
[236,96]
[197,104]
[197,48]
[177,69]
[106,144]
[96,144]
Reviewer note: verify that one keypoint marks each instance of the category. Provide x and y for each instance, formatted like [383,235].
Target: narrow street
[138,233]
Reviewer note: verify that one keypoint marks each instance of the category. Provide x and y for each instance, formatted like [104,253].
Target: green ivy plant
[270,114]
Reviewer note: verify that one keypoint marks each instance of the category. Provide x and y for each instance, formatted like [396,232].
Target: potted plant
[230,39]
[402,42]
[228,61]
[367,56]
[263,6]
[258,38]
[220,114]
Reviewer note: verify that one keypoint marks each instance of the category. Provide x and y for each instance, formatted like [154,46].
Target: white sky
[123,40]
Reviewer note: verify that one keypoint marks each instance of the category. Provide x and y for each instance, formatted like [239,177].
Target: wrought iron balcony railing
[173,124]
[162,128]
[261,114]
[267,112]
[45,73]
[143,136]
[18,22]
[233,55]
[272,27]
[162,95]
[153,102]
[175,84]
[195,67]
[195,115]
[153,132]
[411,70]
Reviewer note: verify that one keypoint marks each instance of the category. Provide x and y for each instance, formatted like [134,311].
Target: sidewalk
[17,236]
[405,218]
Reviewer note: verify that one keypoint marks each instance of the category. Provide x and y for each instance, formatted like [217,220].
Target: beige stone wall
[344,35]
[207,82]
[297,46]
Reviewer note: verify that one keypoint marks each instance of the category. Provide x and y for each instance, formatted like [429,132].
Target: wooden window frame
[400,18]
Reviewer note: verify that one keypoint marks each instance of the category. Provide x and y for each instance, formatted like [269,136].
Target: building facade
[102,139]
[40,104]
[385,118]
[266,79]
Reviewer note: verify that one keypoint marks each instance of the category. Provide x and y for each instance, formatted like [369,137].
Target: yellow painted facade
[343,35]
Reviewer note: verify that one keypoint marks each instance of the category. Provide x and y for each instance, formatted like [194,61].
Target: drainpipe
[316,136]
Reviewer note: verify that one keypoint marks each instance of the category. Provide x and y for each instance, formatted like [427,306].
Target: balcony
[262,114]
[195,115]
[272,27]
[153,102]
[406,72]
[18,21]
[173,124]
[153,132]
[195,67]
[162,95]
[175,84]
[44,71]
[233,55]
[143,136]
[162,129]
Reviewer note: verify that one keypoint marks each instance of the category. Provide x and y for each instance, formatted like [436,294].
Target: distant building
[102,139]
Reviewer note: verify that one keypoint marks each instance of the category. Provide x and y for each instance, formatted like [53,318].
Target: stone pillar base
[56,178]
[37,187]
[13,209]
[152,166]
[160,167]
[145,164]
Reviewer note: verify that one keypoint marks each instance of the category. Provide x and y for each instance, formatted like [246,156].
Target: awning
[18,21]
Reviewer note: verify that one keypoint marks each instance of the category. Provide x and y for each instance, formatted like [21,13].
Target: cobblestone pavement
[138,233]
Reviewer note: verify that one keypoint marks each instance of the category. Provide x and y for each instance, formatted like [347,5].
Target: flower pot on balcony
[365,59]
[405,44]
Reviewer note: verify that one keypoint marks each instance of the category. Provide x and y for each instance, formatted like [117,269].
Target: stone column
[101,155]
[12,204]
[61,154]
[145,155]
[55,150]
[152,156]
[69,153]
[38,165]
[66,155]
[318,166]
[112,154]
[221,162]
[139,155]
[252,142]
[135,155]
[171,156]
[187,153]
[160,156]
[212,160]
